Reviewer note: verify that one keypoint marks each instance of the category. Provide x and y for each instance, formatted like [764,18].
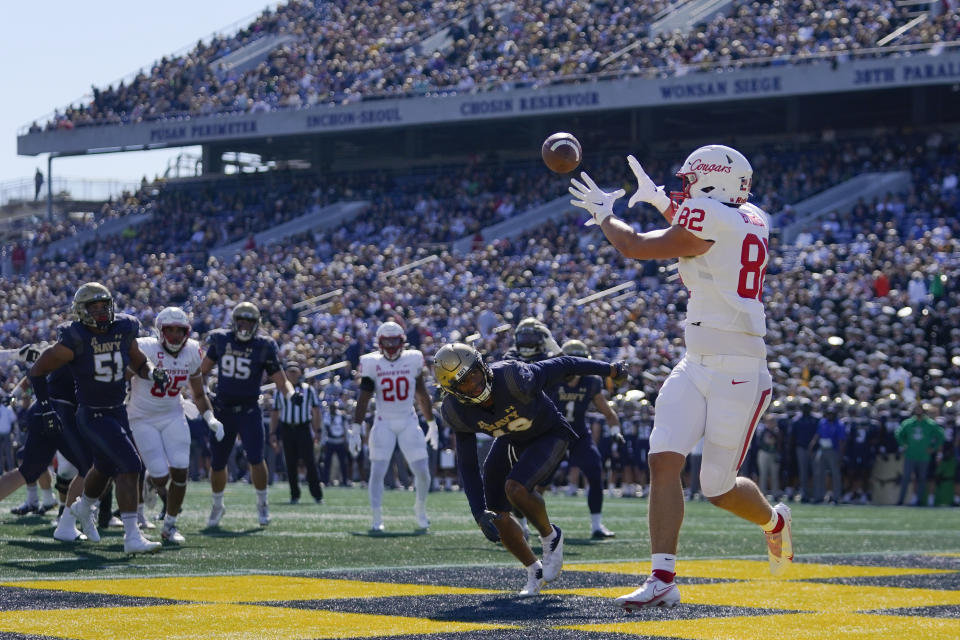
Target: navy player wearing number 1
[241,356]
[507,401]
[721,386]
[99,347]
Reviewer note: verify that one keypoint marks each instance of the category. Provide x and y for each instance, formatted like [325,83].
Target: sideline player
[507,401]
[721,386]
[99,347]
[395,374]
[573,396]
[157,417]
[242,355]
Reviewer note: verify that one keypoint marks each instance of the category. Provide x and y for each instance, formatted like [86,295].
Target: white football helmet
[391,339]
[173,317]
[716,172]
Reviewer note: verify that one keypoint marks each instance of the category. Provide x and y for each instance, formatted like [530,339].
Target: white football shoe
[535,581]
[84,517]
[172,535]
[143,522]
[216,515]
[653,593]
[139,544]
[552,555]
[66,530]
[423,522]
[780,545]
[263,515]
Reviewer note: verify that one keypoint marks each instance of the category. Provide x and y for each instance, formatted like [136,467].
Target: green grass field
[909,552]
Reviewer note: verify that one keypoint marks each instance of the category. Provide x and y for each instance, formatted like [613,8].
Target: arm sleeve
[271,357]
[468,468]
[551,372]
[212,349]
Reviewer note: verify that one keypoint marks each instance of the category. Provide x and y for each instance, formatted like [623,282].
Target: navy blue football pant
[585,455]
[531,464]
[39,448]
[245,421]
[107,431]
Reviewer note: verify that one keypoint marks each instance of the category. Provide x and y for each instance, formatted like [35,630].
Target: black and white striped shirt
[299,413]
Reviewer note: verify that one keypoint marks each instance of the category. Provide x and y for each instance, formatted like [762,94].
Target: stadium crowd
[338,52]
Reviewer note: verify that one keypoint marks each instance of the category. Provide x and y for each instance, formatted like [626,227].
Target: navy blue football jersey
[100,360]
[241,365]
[573,401]
[62,385]
[521,410]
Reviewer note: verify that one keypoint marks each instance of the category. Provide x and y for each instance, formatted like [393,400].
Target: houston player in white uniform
[721,386]
[396,375]
[157,417]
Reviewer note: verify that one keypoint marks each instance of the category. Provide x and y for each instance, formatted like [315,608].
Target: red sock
[779,526]
[663,576]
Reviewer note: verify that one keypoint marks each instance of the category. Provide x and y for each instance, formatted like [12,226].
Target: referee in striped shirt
[296,424]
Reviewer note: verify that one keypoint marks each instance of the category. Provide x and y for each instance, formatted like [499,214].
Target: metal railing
[24,189]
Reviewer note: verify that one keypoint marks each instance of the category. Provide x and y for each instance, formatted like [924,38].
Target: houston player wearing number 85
[721,387]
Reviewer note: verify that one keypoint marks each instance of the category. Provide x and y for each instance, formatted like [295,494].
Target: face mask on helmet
[717,172]
[461,372]
[391,340]
[246,320]
[530,342]
[93,305]
[173,328]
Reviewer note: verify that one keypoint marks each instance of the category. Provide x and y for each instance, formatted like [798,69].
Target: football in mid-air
[561,152]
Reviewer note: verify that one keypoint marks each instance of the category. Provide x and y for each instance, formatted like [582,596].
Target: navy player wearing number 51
[242,356]
[507,401]
[721,387]
[99,347]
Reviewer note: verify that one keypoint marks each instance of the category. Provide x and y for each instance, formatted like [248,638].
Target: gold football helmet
[87,294]
[575,348]
[455,365]
[249,312]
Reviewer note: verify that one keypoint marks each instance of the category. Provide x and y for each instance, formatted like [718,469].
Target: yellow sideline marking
[250,588]
[755,570]
[226,621]
[802,626]
[796,596]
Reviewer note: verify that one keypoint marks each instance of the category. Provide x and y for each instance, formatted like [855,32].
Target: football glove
[646,190]
[487,522]
[215,425]
[433,434]
[160,377]
[620,369]
[29,353]
[49,423]
[588,196]
[617,435]
[355,439]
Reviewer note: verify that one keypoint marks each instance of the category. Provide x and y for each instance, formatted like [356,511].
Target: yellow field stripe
[221,621]
[249,588]
[802,596]
[755,570]
[804,626]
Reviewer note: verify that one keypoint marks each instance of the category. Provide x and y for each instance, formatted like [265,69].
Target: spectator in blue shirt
[829,443]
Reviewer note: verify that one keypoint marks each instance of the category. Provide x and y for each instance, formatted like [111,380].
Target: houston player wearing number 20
[157,418]
[396,375]
[721,386]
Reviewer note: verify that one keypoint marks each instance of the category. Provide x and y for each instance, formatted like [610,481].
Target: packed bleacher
[338,52]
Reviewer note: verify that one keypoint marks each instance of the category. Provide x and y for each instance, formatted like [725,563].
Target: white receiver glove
[646,190]
[215,425]
[355,439]
[587,195]
[433,434]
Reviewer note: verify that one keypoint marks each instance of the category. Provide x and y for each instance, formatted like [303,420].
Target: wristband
[40,389]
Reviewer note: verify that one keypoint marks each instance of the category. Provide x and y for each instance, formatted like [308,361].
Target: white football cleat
[602,533]
[139,544]
[376,528]
[263,515]
[216,515]
[552,555]
[172,535]
[535,581]
[780,545]
[143,522]
[653,593]
[84,517]
[66,530]
[423,522]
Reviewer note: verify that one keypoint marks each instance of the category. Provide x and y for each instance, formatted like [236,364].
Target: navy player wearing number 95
[242,356]
[507,401]
[99,347]
[721,386]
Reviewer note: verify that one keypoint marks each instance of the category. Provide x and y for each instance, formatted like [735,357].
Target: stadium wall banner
[624,93]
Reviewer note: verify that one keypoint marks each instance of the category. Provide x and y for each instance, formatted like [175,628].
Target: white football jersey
[726,282]
[148,399]
[395,381]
